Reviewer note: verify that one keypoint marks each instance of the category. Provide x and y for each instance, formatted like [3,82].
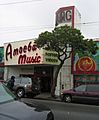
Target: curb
[50,99]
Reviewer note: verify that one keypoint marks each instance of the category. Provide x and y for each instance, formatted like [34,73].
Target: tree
[59,40]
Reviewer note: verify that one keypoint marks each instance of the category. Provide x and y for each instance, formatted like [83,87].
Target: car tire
[67,98]
[20,92]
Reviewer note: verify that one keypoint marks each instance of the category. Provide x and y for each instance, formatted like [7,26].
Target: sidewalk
[47,96]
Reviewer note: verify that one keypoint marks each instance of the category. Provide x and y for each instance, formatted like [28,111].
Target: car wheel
[67,98]
[20,92]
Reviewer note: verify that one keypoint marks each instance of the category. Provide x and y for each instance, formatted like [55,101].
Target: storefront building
[1,63]
[23,58]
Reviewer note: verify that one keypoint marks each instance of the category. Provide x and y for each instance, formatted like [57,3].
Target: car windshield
[5,94]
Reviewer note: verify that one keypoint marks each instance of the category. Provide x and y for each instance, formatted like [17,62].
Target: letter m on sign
[22,59]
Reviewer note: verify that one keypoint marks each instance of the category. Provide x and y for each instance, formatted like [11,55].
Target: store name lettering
[64,16]
[23,59]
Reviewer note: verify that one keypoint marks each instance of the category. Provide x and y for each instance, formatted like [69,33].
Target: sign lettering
[21,52]
[63,16]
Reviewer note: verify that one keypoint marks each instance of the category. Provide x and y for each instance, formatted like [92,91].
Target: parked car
[24,86]
[13,109]
[88,92]
[2,81]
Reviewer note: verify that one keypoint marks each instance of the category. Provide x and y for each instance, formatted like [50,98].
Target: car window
[26,80]
[81,88]
[17,80]
[5,94]
[93,88]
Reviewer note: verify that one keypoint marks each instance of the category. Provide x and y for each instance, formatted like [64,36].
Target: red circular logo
[85,64]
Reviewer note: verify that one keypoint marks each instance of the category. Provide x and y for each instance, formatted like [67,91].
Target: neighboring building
[86,68]
[1,63]
[66,16]
[23,58]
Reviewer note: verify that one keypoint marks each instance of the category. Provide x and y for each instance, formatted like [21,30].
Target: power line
[32,28]
[24,29]
[84,23]
[45,26]
[20,2]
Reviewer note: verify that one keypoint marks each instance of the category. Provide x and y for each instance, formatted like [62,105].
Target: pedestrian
[10,83]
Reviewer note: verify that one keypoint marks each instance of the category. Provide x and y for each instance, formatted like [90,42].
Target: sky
[26,19]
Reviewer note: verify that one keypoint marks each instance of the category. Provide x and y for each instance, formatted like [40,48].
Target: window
[81,88]
[26,80]
[93,88]
[17,80]
[5,94]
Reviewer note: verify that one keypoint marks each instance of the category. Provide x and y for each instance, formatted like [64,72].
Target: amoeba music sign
[25,53]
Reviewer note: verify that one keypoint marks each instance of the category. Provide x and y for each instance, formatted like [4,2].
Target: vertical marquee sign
[68,16]
[65,15]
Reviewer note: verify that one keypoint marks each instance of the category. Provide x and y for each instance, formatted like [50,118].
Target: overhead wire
[84,23]
[17,29]
[23,29]
[29,28]
[19,2]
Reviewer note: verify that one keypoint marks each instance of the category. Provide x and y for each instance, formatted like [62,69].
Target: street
[69,111]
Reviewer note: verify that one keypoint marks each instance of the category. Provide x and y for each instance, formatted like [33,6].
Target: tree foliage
[60,39]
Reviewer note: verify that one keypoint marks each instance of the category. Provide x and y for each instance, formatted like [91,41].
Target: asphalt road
[69,111]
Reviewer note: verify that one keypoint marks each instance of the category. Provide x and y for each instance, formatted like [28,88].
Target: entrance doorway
[42,77]
[45,84]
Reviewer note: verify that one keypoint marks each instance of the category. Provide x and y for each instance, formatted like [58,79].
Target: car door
[17,83]
[79,94]
[92,92]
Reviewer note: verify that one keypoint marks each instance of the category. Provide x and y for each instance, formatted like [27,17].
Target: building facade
[1,63]
[23,58]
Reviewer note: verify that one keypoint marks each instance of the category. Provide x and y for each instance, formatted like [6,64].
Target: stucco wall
[17,70]
[65,78]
